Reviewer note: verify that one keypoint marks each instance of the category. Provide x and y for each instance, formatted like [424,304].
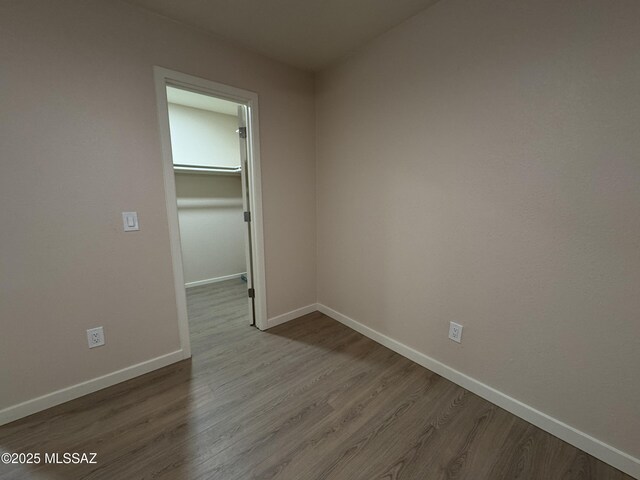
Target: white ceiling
[203,102]
[309,34]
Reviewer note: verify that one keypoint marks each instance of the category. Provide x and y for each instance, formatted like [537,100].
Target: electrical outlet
[95,337]
[455,332]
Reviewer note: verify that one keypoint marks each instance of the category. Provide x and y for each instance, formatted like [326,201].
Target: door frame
[164,77]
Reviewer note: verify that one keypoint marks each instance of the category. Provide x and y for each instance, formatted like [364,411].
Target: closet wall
[209,206]
[203,137]
[211,226]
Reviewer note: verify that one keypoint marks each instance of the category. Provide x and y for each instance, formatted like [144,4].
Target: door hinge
[242,131]
[252,293]
[247,216]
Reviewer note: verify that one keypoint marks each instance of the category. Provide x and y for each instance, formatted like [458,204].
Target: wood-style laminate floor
[310,399]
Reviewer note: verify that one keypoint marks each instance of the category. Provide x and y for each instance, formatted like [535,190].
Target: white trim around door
[163,78]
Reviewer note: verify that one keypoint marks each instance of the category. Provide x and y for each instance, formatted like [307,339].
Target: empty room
[304,239]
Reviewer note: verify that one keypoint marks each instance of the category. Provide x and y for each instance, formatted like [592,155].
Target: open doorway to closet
[209,135]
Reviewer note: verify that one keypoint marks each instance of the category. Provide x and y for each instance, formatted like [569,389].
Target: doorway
[211,168]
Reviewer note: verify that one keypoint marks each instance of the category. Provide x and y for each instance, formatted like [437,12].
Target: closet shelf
[203,170]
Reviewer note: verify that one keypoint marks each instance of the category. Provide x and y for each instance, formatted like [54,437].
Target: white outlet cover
[95,337]
[455,332]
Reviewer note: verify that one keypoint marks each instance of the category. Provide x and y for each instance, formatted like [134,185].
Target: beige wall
[201,137]
[480,164]
[80,144]
[211,226]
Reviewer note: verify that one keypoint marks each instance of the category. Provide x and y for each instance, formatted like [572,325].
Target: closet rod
[207,170]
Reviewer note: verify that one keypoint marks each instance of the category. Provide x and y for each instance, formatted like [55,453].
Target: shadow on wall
[211,225]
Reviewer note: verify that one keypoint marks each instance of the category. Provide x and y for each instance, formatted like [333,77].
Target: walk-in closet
[206,151]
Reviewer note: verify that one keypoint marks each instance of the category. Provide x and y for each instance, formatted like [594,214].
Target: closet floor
[309,399]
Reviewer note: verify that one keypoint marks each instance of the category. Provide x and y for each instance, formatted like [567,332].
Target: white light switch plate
[130,221]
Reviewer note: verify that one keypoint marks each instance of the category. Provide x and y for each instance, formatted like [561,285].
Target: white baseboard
[52,399]
[285,317]
[207,281]
[608,454]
